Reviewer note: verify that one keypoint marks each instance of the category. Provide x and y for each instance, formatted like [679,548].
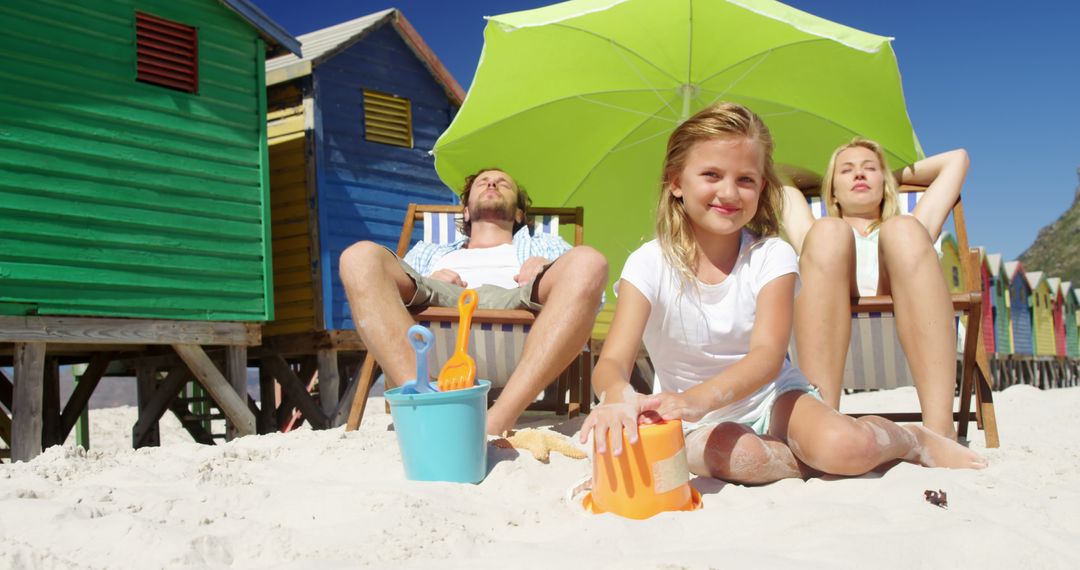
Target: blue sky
[998,78]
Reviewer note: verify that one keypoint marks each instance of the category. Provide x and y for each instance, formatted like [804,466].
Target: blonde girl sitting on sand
[712,299]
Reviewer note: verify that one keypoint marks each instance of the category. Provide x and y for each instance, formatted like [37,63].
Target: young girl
[865,247]
[712,299]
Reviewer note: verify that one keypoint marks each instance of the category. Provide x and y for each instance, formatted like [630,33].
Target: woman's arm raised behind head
[943,174]
[797,217]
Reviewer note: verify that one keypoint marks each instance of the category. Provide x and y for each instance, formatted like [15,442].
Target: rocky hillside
[1057,248]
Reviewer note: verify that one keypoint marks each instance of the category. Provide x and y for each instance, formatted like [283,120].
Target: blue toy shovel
[420,338]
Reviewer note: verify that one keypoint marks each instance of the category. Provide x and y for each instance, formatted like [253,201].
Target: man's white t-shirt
[693,335]
[483,266]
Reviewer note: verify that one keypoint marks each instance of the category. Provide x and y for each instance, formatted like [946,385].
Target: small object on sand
[540,443]
[937,498]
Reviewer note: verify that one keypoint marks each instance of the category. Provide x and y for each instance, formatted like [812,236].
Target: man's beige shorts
[434,293]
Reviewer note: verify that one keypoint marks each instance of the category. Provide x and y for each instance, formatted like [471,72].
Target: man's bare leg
[823,306]
[924,317]
[570,291]
[377,289]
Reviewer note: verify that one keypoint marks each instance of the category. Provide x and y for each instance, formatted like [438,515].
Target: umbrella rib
[772,49]
[618,44]
[583,96]
[812,114]
[605,155]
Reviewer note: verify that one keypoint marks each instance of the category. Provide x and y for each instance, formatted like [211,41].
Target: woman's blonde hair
[890,197]
[673,226]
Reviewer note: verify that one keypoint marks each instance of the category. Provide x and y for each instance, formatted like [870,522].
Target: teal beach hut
[998,297]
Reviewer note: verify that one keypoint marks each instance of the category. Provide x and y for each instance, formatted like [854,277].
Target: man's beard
[494,210]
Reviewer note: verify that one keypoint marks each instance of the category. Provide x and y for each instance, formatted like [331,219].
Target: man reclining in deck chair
[509,268]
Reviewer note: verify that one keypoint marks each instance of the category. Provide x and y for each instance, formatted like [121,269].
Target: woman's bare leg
[823,306]
[924,317]
[831,442]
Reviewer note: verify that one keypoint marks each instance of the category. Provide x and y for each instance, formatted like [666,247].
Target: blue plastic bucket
[442,435]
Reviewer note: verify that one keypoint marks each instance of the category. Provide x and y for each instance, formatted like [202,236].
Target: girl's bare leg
[924,317]
[834,443]
[823,306]
[733,452]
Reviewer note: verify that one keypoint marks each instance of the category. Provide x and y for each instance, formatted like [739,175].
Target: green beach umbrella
[576,100]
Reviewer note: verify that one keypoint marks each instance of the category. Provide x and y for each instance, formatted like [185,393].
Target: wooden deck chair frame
[569,394]
[975,377]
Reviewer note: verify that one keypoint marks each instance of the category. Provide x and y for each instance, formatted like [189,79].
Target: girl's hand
[612,418]
[671,406]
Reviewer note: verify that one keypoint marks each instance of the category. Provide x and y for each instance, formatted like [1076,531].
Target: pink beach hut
[1057,311]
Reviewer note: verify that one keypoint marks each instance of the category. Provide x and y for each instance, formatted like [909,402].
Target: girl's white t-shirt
[693,335]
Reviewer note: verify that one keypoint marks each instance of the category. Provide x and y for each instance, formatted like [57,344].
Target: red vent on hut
[166,53]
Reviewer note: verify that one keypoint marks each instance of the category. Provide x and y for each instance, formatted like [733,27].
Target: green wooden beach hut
[134,184]
[132,160]
[1072,319]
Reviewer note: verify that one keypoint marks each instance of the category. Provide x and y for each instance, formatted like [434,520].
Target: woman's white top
[866,262]
[693,334]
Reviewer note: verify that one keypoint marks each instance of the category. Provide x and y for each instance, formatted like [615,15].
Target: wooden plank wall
[1021,315]
[120,198]
[364,187]
[1042,320]
[294,305]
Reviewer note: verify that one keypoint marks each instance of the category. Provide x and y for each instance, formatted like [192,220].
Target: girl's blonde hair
[890,199]
[673,226]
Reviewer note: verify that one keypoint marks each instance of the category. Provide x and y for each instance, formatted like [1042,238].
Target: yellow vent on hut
[387,119]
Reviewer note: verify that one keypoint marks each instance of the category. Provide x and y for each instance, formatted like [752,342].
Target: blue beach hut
[1020,311]
[350,125]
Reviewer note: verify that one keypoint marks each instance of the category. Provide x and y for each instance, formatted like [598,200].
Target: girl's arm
[944,175]
[768,347]
[618,407]
[797,217]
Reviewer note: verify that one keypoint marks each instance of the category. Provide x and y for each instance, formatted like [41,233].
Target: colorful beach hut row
[1026,313]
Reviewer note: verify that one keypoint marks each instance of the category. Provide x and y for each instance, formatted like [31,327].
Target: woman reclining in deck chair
[865,247]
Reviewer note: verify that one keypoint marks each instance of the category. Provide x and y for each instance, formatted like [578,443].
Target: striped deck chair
[497,336]
[875,359]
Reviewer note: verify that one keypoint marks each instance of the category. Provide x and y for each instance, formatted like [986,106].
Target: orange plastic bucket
[648,478]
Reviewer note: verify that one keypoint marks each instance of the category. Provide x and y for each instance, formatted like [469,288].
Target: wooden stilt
[268,400]
[329,381]
[364,382]
[5,391]
[50,404]
[79,399]
[236,369]
[146,432]
[296,390]
[341,415]
[29,360]
[210,377]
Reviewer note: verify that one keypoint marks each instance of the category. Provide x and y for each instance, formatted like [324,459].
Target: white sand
[340,500]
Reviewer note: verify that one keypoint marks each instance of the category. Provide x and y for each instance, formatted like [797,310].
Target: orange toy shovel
[460,371]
